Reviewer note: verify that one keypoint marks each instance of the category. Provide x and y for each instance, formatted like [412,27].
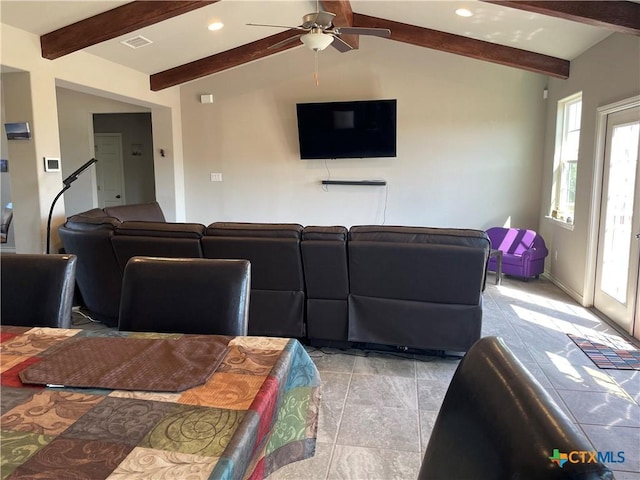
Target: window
[563,194]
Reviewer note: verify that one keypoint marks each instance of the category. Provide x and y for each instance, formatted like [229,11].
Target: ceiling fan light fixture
[316,41]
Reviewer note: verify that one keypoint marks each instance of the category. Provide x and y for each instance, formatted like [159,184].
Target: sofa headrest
[82,222]
[93,213]
[325,233]
[268,230]
[398,234]
[161,229]
[140,212]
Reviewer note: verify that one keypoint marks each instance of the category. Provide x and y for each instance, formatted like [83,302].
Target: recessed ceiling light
[215,26]
[463,12]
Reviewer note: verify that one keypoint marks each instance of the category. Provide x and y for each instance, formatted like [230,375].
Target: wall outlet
[216,177]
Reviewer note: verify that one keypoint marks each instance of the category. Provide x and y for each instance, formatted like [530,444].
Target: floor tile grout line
[331,453]
[344,406]
[415,380]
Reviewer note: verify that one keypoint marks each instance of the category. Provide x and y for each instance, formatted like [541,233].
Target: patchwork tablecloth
[256,413]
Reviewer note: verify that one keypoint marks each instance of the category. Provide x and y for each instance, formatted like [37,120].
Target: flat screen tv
[358,129]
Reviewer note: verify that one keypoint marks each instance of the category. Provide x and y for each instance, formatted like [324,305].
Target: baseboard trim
[569,291]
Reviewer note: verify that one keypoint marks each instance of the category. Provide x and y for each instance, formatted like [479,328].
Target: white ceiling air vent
[137,42]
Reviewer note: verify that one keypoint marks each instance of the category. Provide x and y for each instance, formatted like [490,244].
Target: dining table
[106,404]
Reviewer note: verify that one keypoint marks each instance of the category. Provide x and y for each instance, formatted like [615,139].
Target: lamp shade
[317,41]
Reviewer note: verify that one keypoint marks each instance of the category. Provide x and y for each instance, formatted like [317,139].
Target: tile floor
[378,409]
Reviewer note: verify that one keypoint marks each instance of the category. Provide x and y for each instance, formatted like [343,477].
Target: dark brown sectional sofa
[403,287]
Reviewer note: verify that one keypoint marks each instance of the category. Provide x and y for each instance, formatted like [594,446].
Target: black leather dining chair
[497,422]
[37,289]
[185,295]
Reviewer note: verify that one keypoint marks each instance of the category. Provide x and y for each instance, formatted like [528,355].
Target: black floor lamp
[67,184]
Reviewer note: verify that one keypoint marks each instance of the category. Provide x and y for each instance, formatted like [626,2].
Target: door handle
[117,196]
[638,235]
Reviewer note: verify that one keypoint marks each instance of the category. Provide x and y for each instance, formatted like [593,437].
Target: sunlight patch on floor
[566,326]
[557,305]
[564,366]
[536,318]
[596,375]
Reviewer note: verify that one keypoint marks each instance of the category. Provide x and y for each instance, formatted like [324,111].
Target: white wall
[31,98]
[5,177]
[75,116]
[87,73]
[606,73]
[470,137]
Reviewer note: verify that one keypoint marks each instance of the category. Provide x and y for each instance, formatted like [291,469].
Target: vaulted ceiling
[538,36]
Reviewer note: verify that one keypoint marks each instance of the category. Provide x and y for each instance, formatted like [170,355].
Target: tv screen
[358,129]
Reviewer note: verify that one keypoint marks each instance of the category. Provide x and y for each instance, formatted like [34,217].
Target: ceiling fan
[320,32]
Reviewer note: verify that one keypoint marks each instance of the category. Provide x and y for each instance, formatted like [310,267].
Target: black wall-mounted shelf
[355,182]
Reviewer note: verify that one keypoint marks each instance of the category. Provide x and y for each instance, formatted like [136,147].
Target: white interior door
[109,169]
[618,258]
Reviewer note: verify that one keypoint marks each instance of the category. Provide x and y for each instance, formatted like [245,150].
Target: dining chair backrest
[497,421]
[37,289]
[185,295]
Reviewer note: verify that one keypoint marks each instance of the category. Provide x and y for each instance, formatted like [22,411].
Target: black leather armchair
[497,422]
[185,295]
[37,290]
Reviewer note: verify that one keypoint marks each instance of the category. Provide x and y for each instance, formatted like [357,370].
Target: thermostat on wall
[51,164]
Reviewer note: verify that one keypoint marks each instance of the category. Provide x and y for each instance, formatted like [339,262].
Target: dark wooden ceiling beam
[222,61]
[344,18]
[113,23]
[615,15]
[468,47]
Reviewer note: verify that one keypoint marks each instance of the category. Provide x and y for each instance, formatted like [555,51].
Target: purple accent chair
[523,251]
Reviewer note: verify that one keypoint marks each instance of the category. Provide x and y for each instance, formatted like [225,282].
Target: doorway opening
[124,148]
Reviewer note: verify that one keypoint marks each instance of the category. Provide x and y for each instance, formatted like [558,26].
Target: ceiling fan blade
[376,32]
[284,42]
[341,45]
[321,19]
[276,26]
